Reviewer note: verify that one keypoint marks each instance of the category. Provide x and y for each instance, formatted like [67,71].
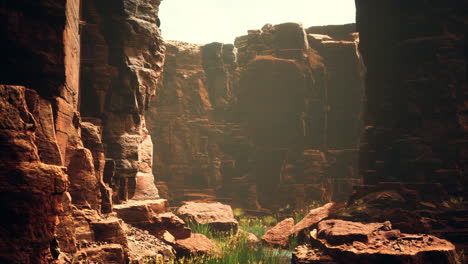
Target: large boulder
[218,216]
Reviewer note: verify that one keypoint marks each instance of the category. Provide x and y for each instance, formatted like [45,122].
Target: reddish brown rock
[313,217]
[109,230]
[31,191]
[171,223]
[217,215]
[196,244]
[108,253]
[305,254]
[135,212]
[151,216]
[279,235]
[351,242]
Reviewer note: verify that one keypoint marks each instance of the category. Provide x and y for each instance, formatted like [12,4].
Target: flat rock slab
[353,243]
[218,216]
[135,212]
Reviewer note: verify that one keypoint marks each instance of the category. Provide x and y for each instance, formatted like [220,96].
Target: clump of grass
[253,225]
[198,228]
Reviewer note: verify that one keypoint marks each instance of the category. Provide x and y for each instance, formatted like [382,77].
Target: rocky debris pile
[352,242]
[145,247]
[218,216]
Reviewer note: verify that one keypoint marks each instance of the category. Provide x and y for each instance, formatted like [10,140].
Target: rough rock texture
[217,215]
[313,217]
[416,129]
[415,115]
[53,189]
[31,190]
[351,242]
[152,216]
[144,247]
[195,245]
[121,69]
[279,234]
[228,127]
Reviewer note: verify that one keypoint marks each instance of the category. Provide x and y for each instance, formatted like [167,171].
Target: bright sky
[204,21]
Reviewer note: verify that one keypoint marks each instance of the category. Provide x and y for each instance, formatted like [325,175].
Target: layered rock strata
[228,126]
[57,169]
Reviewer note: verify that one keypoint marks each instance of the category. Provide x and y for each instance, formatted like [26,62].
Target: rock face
[415,115]
[120,74]
[217,215]
[415,119]
[57,169]
[31,189]
[239,130]
[350,242]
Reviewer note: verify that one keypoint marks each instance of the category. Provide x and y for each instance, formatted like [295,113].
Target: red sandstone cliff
[266,117]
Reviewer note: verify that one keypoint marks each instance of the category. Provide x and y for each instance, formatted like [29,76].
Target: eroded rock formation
[338,241]
[60,175]
[413,150]
[252,120]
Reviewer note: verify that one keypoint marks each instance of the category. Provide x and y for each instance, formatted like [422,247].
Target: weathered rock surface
[144,247]
[31,190]
[314,216]
[107,253]
[218,216]
[152,216]
[122,87]
[215,119]
[415,117]
[52,163]
[195,245]
[351,242]
[279,234]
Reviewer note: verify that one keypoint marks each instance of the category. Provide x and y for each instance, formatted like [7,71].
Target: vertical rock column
[124,54]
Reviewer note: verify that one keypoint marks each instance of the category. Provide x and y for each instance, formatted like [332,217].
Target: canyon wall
[413,152]
[416,114]
[263,121]
[72,142]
